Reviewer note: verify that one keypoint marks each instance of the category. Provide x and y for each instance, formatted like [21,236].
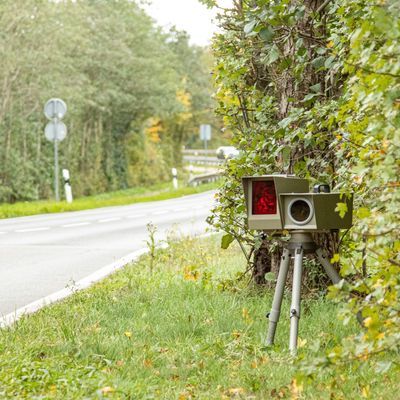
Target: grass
[135,195]
[188,330]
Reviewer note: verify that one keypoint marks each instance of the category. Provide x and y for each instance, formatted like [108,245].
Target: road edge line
[85,283]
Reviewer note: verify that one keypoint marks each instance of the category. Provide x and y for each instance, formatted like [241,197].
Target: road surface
[42,254]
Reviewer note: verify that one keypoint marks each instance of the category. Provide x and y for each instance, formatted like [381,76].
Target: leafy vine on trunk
[273,71]
[313,88]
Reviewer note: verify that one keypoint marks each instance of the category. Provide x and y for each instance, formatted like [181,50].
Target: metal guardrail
[205,178]
[198,152]
[202,160]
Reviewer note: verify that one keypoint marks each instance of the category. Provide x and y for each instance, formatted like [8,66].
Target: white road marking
[103,221]
[134,216]
[75,225]
[161,212]
[180,209]
[32,230]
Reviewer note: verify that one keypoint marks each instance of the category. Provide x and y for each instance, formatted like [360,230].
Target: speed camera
[281,202]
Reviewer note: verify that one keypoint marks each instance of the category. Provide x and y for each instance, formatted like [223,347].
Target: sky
[188,15]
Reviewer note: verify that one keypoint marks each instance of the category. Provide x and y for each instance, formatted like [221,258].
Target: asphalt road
[42,254]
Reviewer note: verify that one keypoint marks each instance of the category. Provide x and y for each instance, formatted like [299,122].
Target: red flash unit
[264,198]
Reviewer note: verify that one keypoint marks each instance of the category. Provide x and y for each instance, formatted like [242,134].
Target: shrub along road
[43,254]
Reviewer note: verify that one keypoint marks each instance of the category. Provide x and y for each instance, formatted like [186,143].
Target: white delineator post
[67,186]
[191,172]
[174,178]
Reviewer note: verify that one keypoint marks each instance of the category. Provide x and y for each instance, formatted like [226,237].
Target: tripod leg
[296,293]
[328,267]
[273,316]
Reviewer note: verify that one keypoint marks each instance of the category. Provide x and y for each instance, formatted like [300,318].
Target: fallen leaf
[296,389]
[147,363]
[107,389]
[365,391]
[367,322]
[235,391]
[301,342]
[236,334]
[128,334]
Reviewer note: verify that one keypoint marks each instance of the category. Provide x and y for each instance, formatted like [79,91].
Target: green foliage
[117,72]
[312,88]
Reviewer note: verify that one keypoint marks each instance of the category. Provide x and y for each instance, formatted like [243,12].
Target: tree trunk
[267,259]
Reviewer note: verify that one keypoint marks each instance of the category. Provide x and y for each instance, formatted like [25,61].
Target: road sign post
[55,131]
[205,134]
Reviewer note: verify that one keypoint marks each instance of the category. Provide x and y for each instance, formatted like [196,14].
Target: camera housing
[282,202]
[315,211]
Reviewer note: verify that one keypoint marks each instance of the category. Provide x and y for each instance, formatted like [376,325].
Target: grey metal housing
[324,216]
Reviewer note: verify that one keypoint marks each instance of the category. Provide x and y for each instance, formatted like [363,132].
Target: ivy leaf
[329,61]
[310,96]
[270,277]
[248,28]
[316,88]
[273,55]
[267,34]
[341,208]
[318,62]
[226,241]
[363,212]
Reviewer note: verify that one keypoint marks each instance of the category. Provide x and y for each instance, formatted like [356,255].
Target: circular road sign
[55,131]
[55,108]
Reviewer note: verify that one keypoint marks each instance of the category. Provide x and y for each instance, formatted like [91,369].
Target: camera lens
[300,211]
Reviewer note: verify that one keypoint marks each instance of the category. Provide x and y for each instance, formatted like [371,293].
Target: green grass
[188,330]
[135,195]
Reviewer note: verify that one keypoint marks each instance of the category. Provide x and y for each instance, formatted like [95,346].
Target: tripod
[300,243]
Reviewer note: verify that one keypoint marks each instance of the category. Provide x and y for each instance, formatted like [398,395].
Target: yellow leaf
[107,389]
[365,391]
[263,360]
[53,388]
[302,342]
[147,363]
[190,275]
[236,391]
[296,389]
[330,44]
[128,334]
[236,334]
[335,258]
[368,322]
[246,315]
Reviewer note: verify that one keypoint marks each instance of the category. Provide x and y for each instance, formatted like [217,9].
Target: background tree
[118,72]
